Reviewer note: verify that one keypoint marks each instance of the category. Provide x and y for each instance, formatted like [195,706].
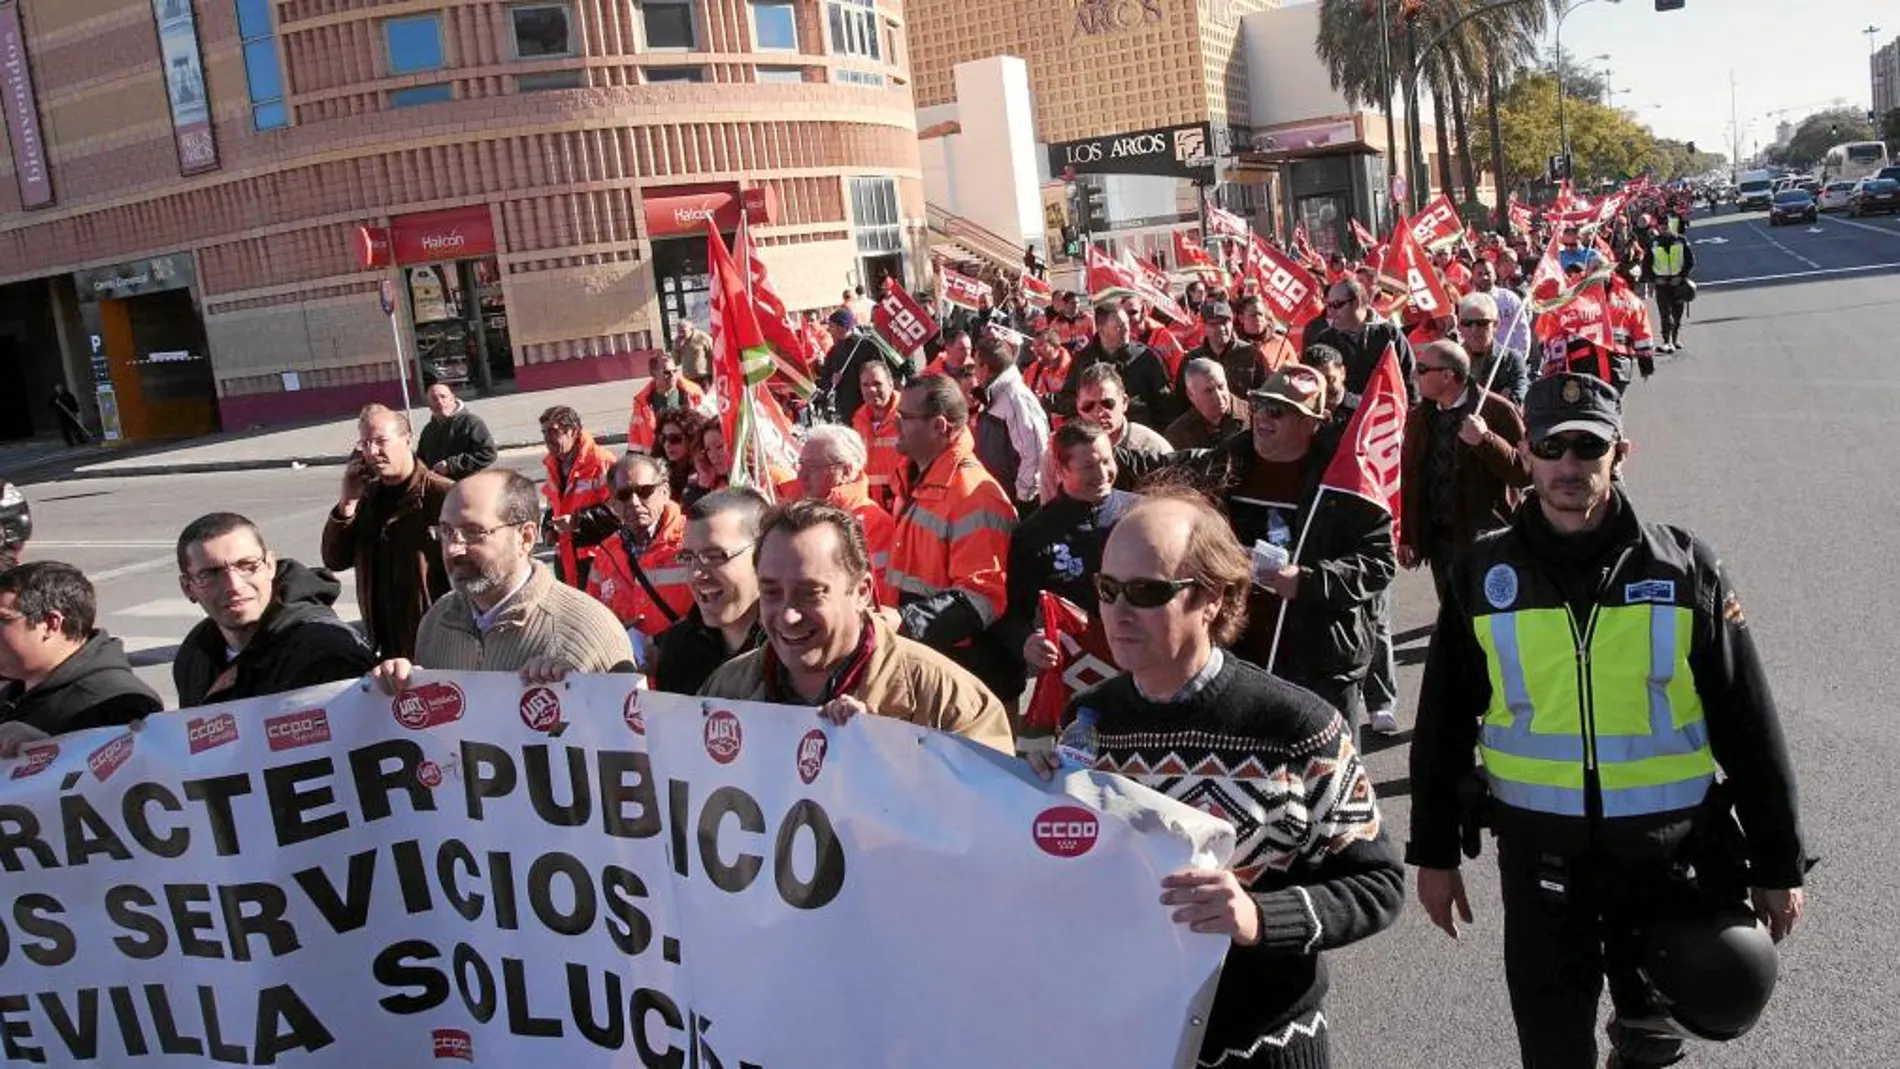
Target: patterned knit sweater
[545,619]
[1279,764]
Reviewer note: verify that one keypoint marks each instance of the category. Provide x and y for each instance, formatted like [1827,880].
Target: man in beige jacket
[506,612]
[827,646]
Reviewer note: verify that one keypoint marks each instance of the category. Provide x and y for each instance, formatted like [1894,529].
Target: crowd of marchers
[1088,523]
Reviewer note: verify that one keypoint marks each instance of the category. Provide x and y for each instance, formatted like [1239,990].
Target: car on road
[1874,195]
[1834,196]
[16,519]
[1793,206]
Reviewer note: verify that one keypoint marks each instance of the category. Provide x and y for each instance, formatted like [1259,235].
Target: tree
[1605,143]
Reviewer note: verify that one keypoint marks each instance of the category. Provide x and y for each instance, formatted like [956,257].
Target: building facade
[207,204]
[1884,73]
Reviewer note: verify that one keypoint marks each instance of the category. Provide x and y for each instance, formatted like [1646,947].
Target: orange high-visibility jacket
[879,531]
[953,527]
[645,421]
[614,584]
[590,482]
[880,445]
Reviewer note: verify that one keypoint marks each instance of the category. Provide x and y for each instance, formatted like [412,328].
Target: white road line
[1764,236]
[1796,274]
[1868,227]
[152,565]
[182,608]
[53,543]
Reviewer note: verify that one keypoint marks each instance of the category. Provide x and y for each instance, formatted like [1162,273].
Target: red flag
[1082,660]
[1363,236]
[790,351]
[960,289]
[1367,462]
[1303,248]
[1108,281]
[1437,224]
[1291,296]
[1193,259]
[738,347]
[1407,260]
[1035,290]
[1226,224]
[1155,286]
[903,322]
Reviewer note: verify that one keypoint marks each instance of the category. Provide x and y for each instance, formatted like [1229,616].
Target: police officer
[1670,261]
[1603,669]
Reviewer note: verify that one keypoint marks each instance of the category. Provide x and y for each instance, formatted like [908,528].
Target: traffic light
[1094,208]
[1833,129]
[1692,150]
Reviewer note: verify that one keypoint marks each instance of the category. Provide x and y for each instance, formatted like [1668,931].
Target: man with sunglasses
[269,626]
[1362,340]
[719,553]
[1494,364]
[637,572]
[1603,669]
[1151,395]
[1102,399]
[1241,361]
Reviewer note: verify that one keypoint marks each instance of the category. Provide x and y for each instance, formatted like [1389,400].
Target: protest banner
[902,321]
[1437,225]
[586,875]
[1291,295]
[960,289]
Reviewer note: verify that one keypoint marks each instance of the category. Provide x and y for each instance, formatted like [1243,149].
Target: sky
[1797,55]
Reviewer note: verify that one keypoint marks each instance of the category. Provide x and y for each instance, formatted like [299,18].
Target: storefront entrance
[676,218]
[685,283]
[151,370]
[452,285]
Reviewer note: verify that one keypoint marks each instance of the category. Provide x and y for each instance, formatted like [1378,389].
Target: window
[874,209]
[851,77]
[774,26]
[262,73]
[669,23]
[541,30]
[415,43]
[546,80]
[780,75]
[854,28]
[421,94]
[662,75]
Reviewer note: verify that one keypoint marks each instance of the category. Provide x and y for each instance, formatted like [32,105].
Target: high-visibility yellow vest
[1668,259]
[1613,693]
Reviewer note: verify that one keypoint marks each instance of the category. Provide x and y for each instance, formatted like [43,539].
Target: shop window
[415,43]
[542,30]
[662,75]
[774,26]
[874,210]
[854,28]
[262,72]
[439,93]
[780,75]
[668,23]
[548,80]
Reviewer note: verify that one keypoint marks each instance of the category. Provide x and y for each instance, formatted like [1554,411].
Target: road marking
[1797,274]
[1865,226]
[152,565]
[184,608]
[1783,248]
[1710,241]
[51,543]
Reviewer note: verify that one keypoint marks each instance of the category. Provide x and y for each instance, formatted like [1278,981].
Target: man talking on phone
[380,527]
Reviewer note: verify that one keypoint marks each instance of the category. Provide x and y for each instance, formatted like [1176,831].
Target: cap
[842,317]
[1298,385]
[1566,402]
[1217,310]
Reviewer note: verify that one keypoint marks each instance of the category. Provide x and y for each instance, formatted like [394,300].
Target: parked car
[1793,206]
[1874,195]
[16,520]
[1834,196]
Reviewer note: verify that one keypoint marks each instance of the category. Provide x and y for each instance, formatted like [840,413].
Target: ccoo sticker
[106,759]
[724,736]
[1066,831]
[210,732]
[292,730]
[453,1043]
[636,720]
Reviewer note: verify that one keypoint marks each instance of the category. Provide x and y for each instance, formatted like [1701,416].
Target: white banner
[584,876]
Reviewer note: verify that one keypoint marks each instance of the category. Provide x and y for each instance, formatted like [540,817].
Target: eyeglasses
[1106,404]
[1426,369]
[1343,302]
[1141,593]
[674,438]
[464,536]
[206,577]
[711,559]
[640,490]
[1475,324]
[381,442]
[1583,447]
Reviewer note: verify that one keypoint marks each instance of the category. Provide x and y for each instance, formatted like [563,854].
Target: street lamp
[1563,119]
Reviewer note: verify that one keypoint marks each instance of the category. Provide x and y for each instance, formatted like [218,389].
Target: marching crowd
[1093,523]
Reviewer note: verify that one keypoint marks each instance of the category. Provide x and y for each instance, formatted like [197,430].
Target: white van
[1756,190]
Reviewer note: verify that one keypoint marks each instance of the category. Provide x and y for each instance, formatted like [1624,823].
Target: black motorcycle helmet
[1713,973]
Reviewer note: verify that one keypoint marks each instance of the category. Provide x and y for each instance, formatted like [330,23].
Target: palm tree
[1356,41]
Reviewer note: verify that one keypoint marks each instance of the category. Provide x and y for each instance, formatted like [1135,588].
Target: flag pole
[1299,545]
[1498,361]
[755,442]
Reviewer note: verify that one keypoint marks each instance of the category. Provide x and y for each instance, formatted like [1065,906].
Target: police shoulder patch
[1500,586]
[1659,591]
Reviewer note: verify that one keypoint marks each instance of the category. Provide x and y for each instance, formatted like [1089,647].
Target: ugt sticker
[811,755]
[541,709]
[724,737]
[636,720]
[1066,831]
[453,1043]
[106,759]
[428,705]
[292,730]
[210,732]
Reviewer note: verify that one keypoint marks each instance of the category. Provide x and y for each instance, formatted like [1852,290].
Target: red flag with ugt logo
[1367,463]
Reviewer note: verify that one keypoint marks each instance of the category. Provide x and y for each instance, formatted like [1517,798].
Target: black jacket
[1058,549]
[841,369]
[300,642]
[93,688]
[1362,353]
[686,654]
[1601,568]
[1151,397]
[461,443]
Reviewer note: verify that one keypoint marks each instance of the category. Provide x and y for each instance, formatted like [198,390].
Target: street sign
[388,295]
[1399,188]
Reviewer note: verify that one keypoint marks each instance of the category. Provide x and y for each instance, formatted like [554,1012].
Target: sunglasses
[1427,369]
[1583,447]
[674,438]
[1141,593]
[1272,409]
[1474,324]
[628,493]
[1346,302]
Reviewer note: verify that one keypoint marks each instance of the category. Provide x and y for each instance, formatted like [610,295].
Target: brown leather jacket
[1491,476]
[412,566]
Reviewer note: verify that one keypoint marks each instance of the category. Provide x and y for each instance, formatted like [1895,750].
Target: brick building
[187,183]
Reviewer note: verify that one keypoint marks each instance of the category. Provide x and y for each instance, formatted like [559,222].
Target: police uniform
[1670,262]
[1605,679]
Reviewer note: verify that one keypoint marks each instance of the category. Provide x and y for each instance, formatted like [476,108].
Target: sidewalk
[513,418]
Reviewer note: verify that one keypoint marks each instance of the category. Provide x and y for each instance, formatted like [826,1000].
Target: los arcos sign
[1096,17]
[1181,151]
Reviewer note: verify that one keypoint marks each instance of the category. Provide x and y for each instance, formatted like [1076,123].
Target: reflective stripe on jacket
[880,445]
[645,420]
[589,482]
[953,531]
[614,584]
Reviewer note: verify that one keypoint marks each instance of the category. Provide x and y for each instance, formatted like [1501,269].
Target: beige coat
[546,619]
[905,681]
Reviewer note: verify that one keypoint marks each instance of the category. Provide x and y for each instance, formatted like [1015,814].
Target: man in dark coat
[1352,330]
[455,442]
[62,675]
[851,348]
[1151,398]
[270,627]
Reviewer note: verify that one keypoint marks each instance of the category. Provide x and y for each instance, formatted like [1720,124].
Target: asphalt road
[1762,436]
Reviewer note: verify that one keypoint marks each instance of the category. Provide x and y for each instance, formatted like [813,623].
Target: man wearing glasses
[507,612]
[1478,318]
[719,554]
[666,390]
[637,571]
[269,626]
[1513,318]
[1603,669]
[1362,340]
[380,527]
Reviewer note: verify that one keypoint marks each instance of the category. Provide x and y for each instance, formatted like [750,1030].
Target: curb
[326,460]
